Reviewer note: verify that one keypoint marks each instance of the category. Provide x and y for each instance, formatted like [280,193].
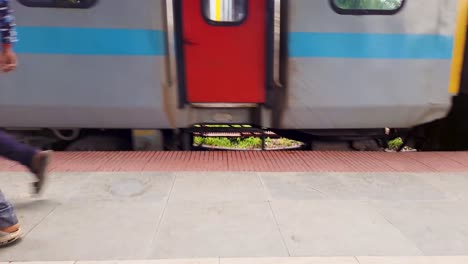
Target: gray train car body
[369,71]
[100,67]
[117,65]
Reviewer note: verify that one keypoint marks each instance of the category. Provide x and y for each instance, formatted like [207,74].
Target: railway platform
[243,207]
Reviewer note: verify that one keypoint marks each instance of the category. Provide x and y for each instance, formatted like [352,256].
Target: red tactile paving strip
[267,161]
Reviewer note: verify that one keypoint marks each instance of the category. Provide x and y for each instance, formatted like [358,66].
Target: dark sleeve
[7,23]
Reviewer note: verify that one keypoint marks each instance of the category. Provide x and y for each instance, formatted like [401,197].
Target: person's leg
[36,161]
[7,213]
[13,150]
[9,227]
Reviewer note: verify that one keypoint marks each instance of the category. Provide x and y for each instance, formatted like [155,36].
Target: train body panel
[368,71]
[126,95]
[342,99]
[101,67]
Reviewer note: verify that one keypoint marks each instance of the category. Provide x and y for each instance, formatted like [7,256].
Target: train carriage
[315,66]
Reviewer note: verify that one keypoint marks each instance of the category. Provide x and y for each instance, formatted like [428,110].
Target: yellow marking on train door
[218,8]
[459,47]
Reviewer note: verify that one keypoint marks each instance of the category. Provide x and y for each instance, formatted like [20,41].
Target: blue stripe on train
[90,41]
[141,42]
[369,46]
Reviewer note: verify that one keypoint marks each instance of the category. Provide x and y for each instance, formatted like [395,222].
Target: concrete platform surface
[241,217]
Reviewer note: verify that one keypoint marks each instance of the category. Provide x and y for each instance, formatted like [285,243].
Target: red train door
[224,44]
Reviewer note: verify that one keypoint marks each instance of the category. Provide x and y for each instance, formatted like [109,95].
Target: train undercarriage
[184,139]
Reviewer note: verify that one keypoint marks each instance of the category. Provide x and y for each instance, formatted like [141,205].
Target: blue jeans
[23,154]
[7,213]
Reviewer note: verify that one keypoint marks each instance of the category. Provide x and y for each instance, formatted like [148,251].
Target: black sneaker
[40,166]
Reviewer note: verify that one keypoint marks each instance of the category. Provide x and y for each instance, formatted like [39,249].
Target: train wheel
[186,140]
